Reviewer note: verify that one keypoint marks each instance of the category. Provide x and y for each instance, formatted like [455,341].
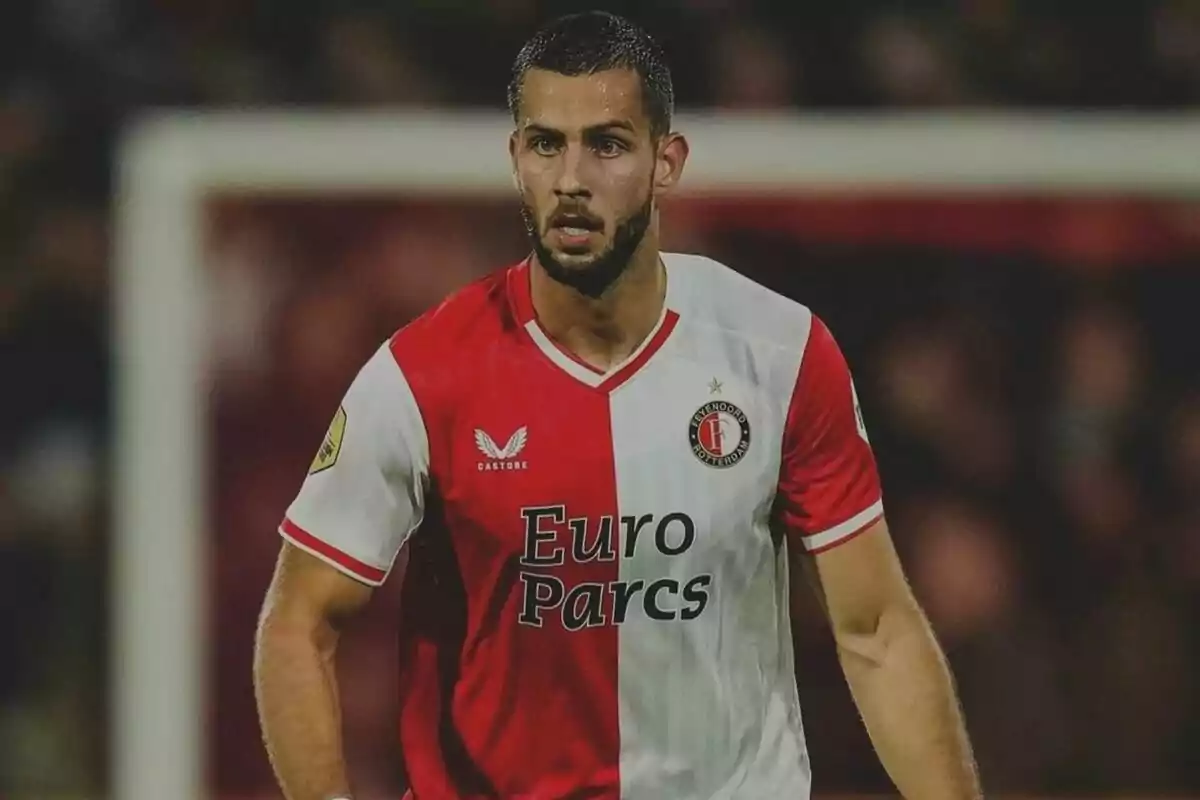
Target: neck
[603,331]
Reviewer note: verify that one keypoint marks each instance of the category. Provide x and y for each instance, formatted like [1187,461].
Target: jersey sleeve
[364,494]
[829,489]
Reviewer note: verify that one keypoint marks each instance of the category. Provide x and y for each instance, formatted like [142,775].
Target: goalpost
[169,164]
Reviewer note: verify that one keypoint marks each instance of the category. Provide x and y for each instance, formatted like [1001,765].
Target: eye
[610,146]
[542,145]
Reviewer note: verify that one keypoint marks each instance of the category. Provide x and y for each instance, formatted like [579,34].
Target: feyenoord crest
[719,434]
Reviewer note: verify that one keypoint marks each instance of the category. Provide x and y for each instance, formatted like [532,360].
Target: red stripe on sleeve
[347,562]
[848,537]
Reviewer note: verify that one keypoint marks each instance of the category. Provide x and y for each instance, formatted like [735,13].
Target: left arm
[896,670]
[829,504]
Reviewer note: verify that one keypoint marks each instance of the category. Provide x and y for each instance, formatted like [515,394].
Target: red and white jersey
[596,590]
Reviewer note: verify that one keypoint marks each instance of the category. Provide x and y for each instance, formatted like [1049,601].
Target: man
[597,463]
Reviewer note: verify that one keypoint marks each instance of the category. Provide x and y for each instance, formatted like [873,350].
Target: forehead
[573,102]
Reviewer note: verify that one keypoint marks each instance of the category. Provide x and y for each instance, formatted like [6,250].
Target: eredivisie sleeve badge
[332,445]
[719,434]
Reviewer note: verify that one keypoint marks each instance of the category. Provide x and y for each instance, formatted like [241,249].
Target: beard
[594,278]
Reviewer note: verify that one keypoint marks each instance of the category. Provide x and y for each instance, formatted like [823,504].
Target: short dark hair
[594,41]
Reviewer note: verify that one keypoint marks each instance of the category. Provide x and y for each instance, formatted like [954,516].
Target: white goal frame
[169,164]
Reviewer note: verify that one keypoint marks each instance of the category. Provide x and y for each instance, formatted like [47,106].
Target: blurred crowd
[1038,427]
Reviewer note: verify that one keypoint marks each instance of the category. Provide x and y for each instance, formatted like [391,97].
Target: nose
[570,182]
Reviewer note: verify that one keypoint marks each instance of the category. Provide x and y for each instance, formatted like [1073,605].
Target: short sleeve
[364,494]
[829,488]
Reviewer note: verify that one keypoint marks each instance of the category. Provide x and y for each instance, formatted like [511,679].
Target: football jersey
[595,596]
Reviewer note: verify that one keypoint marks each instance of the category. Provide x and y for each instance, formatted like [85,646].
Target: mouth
[575,224]
[574,231]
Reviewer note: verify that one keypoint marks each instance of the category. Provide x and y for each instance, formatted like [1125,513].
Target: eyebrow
[589,130]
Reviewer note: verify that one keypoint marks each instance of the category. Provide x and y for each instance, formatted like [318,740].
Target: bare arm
[294,677]
[897,673]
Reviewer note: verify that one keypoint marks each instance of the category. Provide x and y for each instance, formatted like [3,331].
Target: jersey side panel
[511,690]
[707,685]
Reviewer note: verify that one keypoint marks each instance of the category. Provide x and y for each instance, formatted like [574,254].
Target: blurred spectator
[1099,435]
[366,64]
[751,70]
[933,390]
[966,572]
[907,67]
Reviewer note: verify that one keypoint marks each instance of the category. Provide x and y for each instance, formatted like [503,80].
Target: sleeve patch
[858,415]
[327,455]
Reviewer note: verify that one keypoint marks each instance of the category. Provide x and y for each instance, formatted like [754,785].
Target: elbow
[861,648]
[867,639]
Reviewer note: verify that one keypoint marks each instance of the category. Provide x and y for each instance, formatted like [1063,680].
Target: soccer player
[605,466]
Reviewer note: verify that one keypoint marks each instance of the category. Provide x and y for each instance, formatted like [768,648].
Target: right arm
[294,677]
[363,497]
